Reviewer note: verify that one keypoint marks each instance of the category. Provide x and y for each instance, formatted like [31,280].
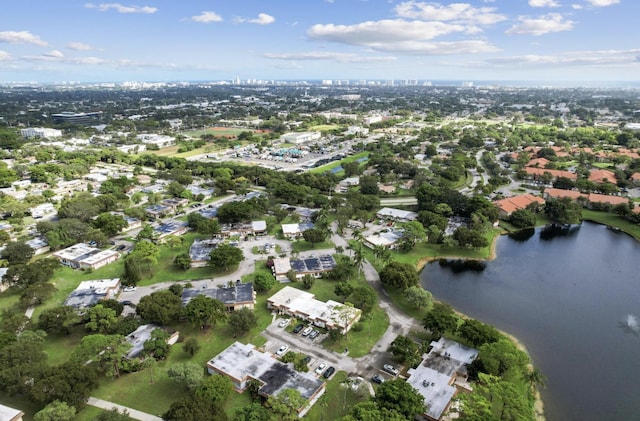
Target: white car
[307,331]
[129,289]
[390,369]
[320,368]
[284,323]
[282,350]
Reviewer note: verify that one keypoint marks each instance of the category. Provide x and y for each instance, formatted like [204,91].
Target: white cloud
[553,22]
[455,12]
[597,58]
[331,56]
[576,6]
[4,56]
[207,17]
[437,48]
[263,19]
[381,32]
[79,46]
[602,3]
[21,37]
[54,54]
[104,7]
[544,3]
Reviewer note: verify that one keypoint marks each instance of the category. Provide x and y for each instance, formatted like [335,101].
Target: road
[133,413]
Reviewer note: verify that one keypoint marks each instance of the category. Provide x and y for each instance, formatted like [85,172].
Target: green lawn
[336,401]
[303,245]
[612,220]
[323,127]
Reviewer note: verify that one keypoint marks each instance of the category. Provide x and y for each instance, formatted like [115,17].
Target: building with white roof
[10,414]
[89,293]
[31,132]
[396,214]
[298,138]
[442,373]
[303,305]
[387,239]
[83,256]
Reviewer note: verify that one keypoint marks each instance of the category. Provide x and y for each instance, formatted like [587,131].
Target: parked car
[306,360]
[307,331]
[314,334]
[298,328]
[377,379]
[320,368]
[329,372]
[129,289]
[284,323]
[282,350]
[390,369]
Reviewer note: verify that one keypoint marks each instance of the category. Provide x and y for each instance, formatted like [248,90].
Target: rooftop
[239,293]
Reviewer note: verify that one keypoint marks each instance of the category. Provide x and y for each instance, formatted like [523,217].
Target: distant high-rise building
[82,119]
[327,82]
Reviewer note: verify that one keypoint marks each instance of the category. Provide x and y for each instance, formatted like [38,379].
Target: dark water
[566,296]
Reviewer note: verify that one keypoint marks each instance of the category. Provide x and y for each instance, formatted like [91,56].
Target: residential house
[441,375]
[310,265]
[200,250]
[387,239]
[158,211]
[242,363]
[45,210]
[396,215]
[602,176]
[635,179]
[10,414]
[294,231]
[303,305]
[538,163]
[511,204]
[39,245]
[538,173]
[169,228]
[89,293]
[83,256]
[142,334]
[235,297]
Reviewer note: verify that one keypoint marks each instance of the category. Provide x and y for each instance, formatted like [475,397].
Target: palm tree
[535,379]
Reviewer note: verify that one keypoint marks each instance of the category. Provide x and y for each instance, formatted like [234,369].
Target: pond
[572,297]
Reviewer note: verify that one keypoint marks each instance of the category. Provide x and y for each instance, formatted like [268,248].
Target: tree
[70,382]
[440,319]
[285,404]
[364,297]
[205,311]
[191,346]
[314,236]
[478,333]
[253,412]
[413,232]
[157,345]
[405,350]
[370,411]
[188,374]
[105,352]
[36,294]
[176,289]
[194,408]
[241,321]
[24,275]
[418,297]
[563,211]
[160,307]
[110,224]
[100,319]
[308,280]
[263,281]
[523,218]
[17,253]
[343,289]
[224,256]
[58,319]
[497,358]
[182,261]
[399,275]
[23,360]
[55,411]
[215,388]
[534,378]
[400,396]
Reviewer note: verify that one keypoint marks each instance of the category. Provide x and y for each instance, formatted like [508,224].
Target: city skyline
[536,40]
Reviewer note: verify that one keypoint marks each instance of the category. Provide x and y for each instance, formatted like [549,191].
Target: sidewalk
[133,413]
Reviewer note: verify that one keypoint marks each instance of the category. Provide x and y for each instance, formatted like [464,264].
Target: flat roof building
[89,293]
[303,305]
[83,256]
[236,297]
[83,119]
[10,414]
[397,214]
[441,374]
[142,334]
[242,363]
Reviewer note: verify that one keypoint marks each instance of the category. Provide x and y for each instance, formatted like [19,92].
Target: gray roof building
[242,363]
[234,298]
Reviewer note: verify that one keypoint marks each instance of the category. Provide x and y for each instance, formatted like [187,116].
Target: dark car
[377,379]
[306,360]
[121,247]
[328,372]
[298,328]
[314,334]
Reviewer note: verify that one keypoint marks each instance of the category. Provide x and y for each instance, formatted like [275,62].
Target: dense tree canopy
[399,275]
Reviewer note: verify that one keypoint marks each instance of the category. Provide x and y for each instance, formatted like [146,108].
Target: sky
[198,40]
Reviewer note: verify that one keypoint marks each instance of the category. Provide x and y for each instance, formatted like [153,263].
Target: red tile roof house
[554,193]
[511,204]
[602,176]
[635,178]
[536,173]
[603,199]
[538,163]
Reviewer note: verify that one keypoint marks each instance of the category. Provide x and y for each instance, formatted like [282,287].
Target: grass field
[222,131]
[336,401]
[303,245]
[612,220]
[323,127]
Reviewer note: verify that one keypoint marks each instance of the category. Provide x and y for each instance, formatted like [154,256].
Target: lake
[573,299]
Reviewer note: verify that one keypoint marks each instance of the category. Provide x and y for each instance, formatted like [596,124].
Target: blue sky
[168,40]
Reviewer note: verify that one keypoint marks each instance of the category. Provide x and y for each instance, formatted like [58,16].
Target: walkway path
[133,413]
